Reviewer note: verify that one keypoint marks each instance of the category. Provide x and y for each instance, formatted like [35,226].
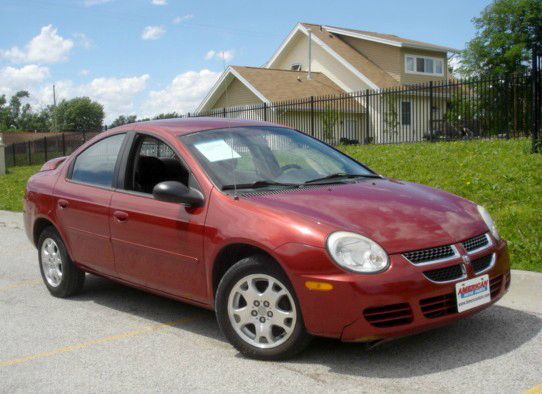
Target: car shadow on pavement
[489,334]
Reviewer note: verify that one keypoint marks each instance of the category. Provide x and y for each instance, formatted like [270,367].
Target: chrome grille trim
[491,264]
[481,248]
[455,255]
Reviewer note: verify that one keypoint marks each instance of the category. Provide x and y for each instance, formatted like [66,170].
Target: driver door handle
[120,216]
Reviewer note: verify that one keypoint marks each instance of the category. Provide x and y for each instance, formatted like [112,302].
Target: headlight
[489,222]
[357,253]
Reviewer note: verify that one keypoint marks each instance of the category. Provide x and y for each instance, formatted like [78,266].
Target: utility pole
[54,108]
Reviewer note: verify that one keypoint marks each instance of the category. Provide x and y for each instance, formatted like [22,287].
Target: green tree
[506,33]
[168,115]
[79,114]
[123,120]
[329,118]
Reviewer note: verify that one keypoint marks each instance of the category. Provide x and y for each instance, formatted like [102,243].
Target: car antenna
[235,196]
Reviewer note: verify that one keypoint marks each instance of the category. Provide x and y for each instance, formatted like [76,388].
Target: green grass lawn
[500,175]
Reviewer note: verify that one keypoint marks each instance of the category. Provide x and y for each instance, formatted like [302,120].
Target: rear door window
[96,164]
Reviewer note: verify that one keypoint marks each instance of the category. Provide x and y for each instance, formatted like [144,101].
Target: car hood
[399,215]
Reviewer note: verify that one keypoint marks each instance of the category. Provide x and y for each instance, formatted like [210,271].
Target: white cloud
[27,77]
[115,94]
[158,2]
[182,95]
[226,55]
[46,47]
[90,3]
[184,18]
[153,32]
[82,40]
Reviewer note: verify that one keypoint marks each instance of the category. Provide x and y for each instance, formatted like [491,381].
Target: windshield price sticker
[217,150]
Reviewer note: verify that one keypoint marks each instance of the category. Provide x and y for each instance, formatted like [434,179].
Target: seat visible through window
[154,162]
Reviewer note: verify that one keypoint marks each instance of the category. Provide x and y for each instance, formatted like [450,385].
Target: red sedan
[282,235]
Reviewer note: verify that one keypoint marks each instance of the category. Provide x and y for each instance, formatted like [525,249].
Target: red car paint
[171,250]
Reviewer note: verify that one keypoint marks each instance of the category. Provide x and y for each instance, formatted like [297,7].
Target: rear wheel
[61,277]
[258,312]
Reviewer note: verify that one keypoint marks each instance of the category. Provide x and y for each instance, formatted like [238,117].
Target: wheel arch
[231,254]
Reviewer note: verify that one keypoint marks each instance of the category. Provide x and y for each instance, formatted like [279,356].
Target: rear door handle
[120,216]
[63,203]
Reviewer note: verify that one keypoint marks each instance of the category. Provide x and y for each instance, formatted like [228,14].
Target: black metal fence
[43,149]
[504,107]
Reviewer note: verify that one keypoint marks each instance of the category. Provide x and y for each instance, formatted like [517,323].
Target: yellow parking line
[82,345]
[31,282]
[534,390]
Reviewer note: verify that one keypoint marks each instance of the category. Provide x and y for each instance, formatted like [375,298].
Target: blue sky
[149,56]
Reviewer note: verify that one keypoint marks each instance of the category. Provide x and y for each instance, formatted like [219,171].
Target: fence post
[29,153]
[265,111]
[63,144]
[13,151]
[312,115]
[535,105]
[367,120]
[431,110]
[223,112]
[2,156]
[45,147]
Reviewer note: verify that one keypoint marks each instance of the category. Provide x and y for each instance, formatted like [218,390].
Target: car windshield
[254,157]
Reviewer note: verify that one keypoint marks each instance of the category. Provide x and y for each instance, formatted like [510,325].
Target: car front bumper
[402,299]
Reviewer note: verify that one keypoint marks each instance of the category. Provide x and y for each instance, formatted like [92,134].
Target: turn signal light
[321,286]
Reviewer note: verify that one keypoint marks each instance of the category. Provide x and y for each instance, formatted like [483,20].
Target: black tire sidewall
[258,265]
[71,275]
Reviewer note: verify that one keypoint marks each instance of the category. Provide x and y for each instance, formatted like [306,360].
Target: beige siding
[322,62]
[407,79]
[238,94]
[387,57]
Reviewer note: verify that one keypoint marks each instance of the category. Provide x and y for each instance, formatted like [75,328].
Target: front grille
[447,305]
[439,306]
[495,285]
[445,274]
[432,254]
[482,263]
[475,243]
[389,315]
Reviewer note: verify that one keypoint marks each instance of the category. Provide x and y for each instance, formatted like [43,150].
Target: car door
[157,244]
[82,203]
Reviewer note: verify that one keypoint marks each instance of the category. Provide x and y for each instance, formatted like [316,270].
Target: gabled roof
[271,85]
[388,39]
[279,85]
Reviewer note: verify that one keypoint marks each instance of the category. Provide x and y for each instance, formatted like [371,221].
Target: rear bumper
[345,312]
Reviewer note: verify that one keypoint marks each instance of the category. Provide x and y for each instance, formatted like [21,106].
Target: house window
[405,113]
[424,65]
[296,67]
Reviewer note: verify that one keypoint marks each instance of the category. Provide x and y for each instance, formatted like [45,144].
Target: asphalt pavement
[112,338]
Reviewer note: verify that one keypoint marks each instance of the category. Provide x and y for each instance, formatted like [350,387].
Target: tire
[271,327]
[60,275]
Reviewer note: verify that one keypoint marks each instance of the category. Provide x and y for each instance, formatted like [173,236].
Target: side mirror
[173,191]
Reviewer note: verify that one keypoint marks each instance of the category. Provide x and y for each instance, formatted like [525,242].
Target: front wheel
[258,312]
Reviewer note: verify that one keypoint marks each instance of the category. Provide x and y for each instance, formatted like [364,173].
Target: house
[316,60]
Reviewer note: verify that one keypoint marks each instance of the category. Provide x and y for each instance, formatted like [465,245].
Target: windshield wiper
[258,184]
[343,175]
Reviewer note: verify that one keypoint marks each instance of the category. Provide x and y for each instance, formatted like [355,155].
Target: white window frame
[416,57]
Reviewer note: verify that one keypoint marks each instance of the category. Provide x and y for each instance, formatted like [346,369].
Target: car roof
[181,126]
